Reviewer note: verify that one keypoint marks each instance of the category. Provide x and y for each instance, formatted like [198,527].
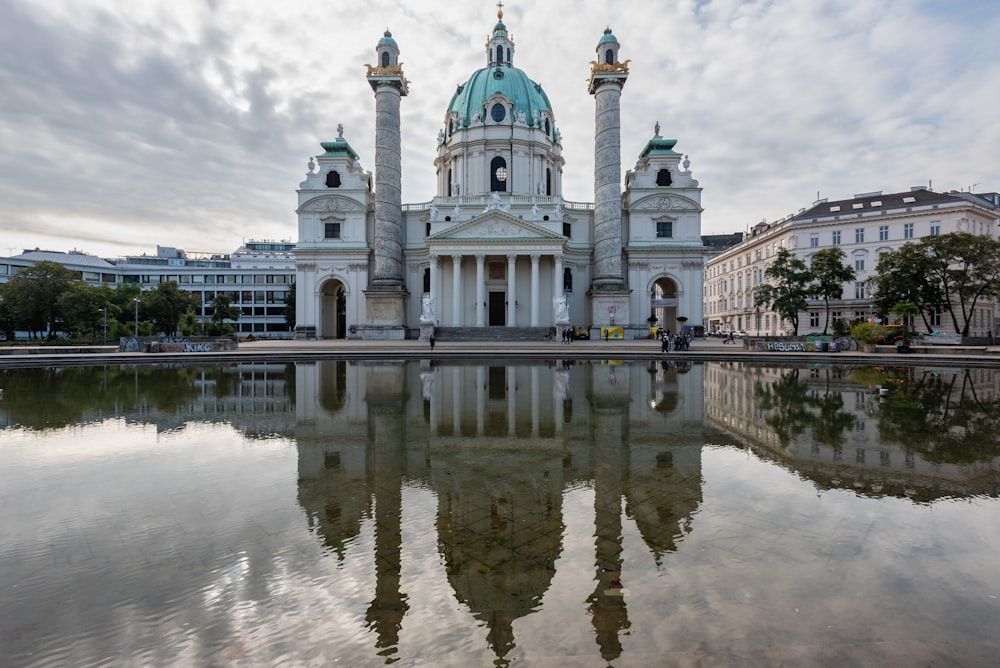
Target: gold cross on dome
[500,10]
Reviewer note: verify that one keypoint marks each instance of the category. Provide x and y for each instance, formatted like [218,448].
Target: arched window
[427,280]
[498,175]
[663,177]
[609,56]
[548,181]
[385,59]
[567,279]
[333,179]
[448,192]
[499,54]
[508,55]
[548,127]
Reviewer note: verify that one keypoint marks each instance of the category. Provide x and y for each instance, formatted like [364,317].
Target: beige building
[864,227]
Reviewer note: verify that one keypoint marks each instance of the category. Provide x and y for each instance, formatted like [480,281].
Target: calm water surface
[579,514]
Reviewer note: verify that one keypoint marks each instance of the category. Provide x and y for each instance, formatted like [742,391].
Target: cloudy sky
[189,123]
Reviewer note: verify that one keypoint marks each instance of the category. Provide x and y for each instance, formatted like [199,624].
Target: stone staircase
[486,334]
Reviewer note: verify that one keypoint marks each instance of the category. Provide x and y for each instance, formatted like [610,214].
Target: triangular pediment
[496,226]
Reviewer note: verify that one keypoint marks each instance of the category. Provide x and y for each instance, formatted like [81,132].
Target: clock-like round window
[501,174]
[498,113]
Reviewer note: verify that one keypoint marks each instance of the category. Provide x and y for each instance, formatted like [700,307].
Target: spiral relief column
[386,297]
[607,78]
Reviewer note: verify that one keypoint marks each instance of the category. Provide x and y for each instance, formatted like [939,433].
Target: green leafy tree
[32,297]
[788,289]
[222,309]
[966,268]
[902,278]
[829,273]
[166,304]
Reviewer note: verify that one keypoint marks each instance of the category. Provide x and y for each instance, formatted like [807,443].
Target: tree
[32,297]
[902,278]
[223,310]
[966,267]
[789,287]
[166,304]
[829,273]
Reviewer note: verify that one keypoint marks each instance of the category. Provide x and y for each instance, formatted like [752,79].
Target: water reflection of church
[499,446]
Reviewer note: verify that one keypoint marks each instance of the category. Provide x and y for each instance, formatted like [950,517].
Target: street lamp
[136,332]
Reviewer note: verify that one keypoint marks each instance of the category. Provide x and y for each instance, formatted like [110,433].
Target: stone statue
[455,189]
[456,212]
[312,165]
[477,118]
[427,314]
[340,131]
[656,129]
[440,137]
[562,310]
[434,213]
[558,213]
[534,211]
[520,117]
[687,164]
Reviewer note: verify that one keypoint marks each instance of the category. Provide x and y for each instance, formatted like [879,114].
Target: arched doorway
[663,304]
[333,311]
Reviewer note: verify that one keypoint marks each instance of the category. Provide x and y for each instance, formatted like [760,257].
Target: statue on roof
[656,129]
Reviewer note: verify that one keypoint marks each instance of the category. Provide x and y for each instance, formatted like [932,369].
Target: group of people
[670,341]
[567,335]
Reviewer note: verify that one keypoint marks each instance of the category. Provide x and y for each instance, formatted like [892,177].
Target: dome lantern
[500,47]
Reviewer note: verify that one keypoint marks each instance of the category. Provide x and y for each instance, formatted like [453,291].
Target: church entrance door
[498,309]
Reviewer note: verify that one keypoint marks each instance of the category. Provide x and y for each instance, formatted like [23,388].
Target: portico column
[480,290]
[511,291]
[435,288]
[456,273]
[557,276]
[535,257]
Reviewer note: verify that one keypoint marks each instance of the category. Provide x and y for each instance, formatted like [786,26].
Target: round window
[498,113]
[501,174]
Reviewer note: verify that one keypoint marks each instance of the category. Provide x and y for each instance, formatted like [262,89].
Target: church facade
[497,245]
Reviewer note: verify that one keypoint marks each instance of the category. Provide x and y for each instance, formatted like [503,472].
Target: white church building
[497,246]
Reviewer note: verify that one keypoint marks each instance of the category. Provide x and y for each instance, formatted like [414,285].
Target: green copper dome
[387,40]
[607,37]
[510,82]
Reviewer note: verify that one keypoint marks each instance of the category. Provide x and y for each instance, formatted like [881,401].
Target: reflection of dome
[511,82]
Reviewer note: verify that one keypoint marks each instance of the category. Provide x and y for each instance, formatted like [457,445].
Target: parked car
[581,332]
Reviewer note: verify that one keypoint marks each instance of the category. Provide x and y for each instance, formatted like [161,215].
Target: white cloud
[189,124]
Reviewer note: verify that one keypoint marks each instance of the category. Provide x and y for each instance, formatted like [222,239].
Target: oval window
[498,113]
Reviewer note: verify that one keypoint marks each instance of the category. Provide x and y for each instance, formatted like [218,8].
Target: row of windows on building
[883,234]
[210,279]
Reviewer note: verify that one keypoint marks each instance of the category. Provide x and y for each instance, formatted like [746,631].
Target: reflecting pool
[571,513]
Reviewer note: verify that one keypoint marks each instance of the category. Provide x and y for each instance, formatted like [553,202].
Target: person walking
[431,339]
